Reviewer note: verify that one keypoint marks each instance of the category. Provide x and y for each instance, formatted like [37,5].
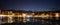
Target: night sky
[32,5]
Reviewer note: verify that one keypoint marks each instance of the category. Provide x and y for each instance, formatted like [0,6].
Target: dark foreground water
[32,23]
[39,22]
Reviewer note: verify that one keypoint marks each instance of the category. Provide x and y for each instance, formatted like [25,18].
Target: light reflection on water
[39,21]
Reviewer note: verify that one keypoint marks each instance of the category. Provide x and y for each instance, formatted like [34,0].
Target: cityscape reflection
[32,17]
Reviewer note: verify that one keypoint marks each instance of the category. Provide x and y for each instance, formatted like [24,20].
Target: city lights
[57,14]
[28,17]
[25,16]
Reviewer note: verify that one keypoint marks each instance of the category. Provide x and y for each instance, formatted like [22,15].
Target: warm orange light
[24,17]
[23,14]
[19,16]
[57,14]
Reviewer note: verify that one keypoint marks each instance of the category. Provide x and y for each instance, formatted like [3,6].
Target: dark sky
[32,5]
